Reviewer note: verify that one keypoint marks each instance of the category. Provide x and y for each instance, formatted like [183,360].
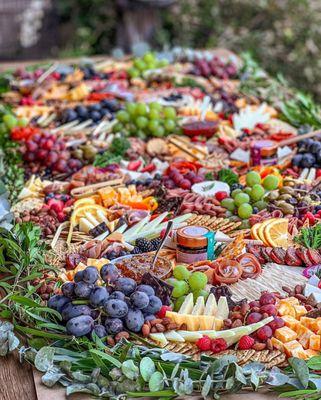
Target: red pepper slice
[149,168]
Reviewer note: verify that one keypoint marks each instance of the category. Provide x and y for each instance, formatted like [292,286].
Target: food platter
[160,229]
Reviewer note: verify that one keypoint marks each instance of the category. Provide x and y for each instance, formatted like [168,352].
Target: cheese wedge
[211,305]
[222,308]
[198,309]
[188,305]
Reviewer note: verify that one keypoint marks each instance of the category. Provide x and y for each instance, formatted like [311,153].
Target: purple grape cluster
[109,309]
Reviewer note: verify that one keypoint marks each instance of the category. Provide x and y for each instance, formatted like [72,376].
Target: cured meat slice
[265,252]
[314,256]
[277,255]
[303,255]
[291,258]
[256,251]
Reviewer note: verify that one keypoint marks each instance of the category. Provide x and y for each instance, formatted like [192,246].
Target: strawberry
[204,343]
[218,345]
[246,342]
[318,174]
[310,217]
[162,312]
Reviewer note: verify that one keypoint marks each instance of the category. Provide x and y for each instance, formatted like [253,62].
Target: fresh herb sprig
[310,237]
[114,154]
[228,176]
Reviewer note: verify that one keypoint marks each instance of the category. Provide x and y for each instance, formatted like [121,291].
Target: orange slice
[260,231]
[276,233]
[254,231]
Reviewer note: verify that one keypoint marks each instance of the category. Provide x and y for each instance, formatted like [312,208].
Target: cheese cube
[304,336]
[290,300]
[290,322]
[312,353]
[315,325]
[291,347]
[308,322]
[286,309]
[285,334]
[277,344]
[300,311]
[300,353]
[315,341]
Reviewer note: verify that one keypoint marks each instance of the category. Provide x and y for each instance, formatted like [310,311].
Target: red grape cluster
[45,151]
[176,179]
[215,67]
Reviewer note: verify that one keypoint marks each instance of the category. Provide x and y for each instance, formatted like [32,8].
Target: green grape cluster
[147,62]
[244,202]
[185,282]
[145,120]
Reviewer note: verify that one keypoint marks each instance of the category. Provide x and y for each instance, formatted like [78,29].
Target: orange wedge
[260,231]
[276,233]
[254,231]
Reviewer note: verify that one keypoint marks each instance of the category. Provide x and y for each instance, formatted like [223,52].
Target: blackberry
[155,243]
[136,250]
[144,245]
[236,186]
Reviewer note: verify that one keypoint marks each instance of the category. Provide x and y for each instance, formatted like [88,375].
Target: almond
[172,326]
[155,321]
[121,335]
[259,346]
[145,330]
[153,329]
[166,321]
[269,344]
[160,328]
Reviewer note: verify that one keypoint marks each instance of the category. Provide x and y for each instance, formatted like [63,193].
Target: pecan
[171,326]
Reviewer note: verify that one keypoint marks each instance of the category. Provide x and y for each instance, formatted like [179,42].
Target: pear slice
[173,336]
[198,309]
[211,305]
[187,306]
[190,336]
[159,338]
[222,308]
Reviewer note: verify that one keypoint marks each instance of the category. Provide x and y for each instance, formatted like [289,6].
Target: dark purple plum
[125,285]
[80,326]
[68,289]
[116,308]
[78,276]
[98,295]
[109,273]
[139,299]
[75,310]
[58,302]
[83,290]
[134,320]
[90,275]
[114,325]
[154,306]
[116,295]
[146,289]
[100,331]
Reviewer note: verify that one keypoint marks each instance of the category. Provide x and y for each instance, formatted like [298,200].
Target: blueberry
[134,320]
[83,290]
[109,273]
[80,326]
[98,296]
[146,289]
[95,116]
[58,302]
[116,308]
[317,208]
[255,210]
[296,160]
[117,295]
[111,105]
[308,160]
[68,289]
[69,115]
[100,331]
[125,285]
[75,310]
[95,107]
[154,306]
[82,111]
[315,147]
[139,299]
[90,275]
[114,325]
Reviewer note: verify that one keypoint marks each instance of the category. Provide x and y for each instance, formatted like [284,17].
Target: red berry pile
[184,181]
[44,151]
[214,345]
[215,67]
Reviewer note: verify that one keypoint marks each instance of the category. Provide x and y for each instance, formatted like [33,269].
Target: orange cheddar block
[308,322]
[291,347]
[314,342]
[312,353]
[300,311]
[285,334]
[300,353]
[290,322]
[290,300]
[315,325]
[304,335]
[277,344]
[286,309]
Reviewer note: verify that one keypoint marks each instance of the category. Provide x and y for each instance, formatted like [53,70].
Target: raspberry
[218,345]
[245,343]
[162,312]
[204,343]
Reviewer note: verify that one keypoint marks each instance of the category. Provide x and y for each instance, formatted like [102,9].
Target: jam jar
[263,152]
[191,244]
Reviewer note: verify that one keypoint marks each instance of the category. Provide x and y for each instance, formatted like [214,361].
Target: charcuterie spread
[160,222]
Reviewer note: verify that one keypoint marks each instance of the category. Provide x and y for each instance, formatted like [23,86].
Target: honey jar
[191,244]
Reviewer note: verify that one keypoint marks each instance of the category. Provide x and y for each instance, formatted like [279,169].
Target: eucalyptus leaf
[130,369]
[229,383]
[156,382]
[276,377]
[316,382]
[255,380]
[173,357]
[147,368]
[13,341]
[253,367]
[81,377]
[239,376]
[90,388]
[207,386]
[50,378]
[44,358]
[301,370]
[175,371]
